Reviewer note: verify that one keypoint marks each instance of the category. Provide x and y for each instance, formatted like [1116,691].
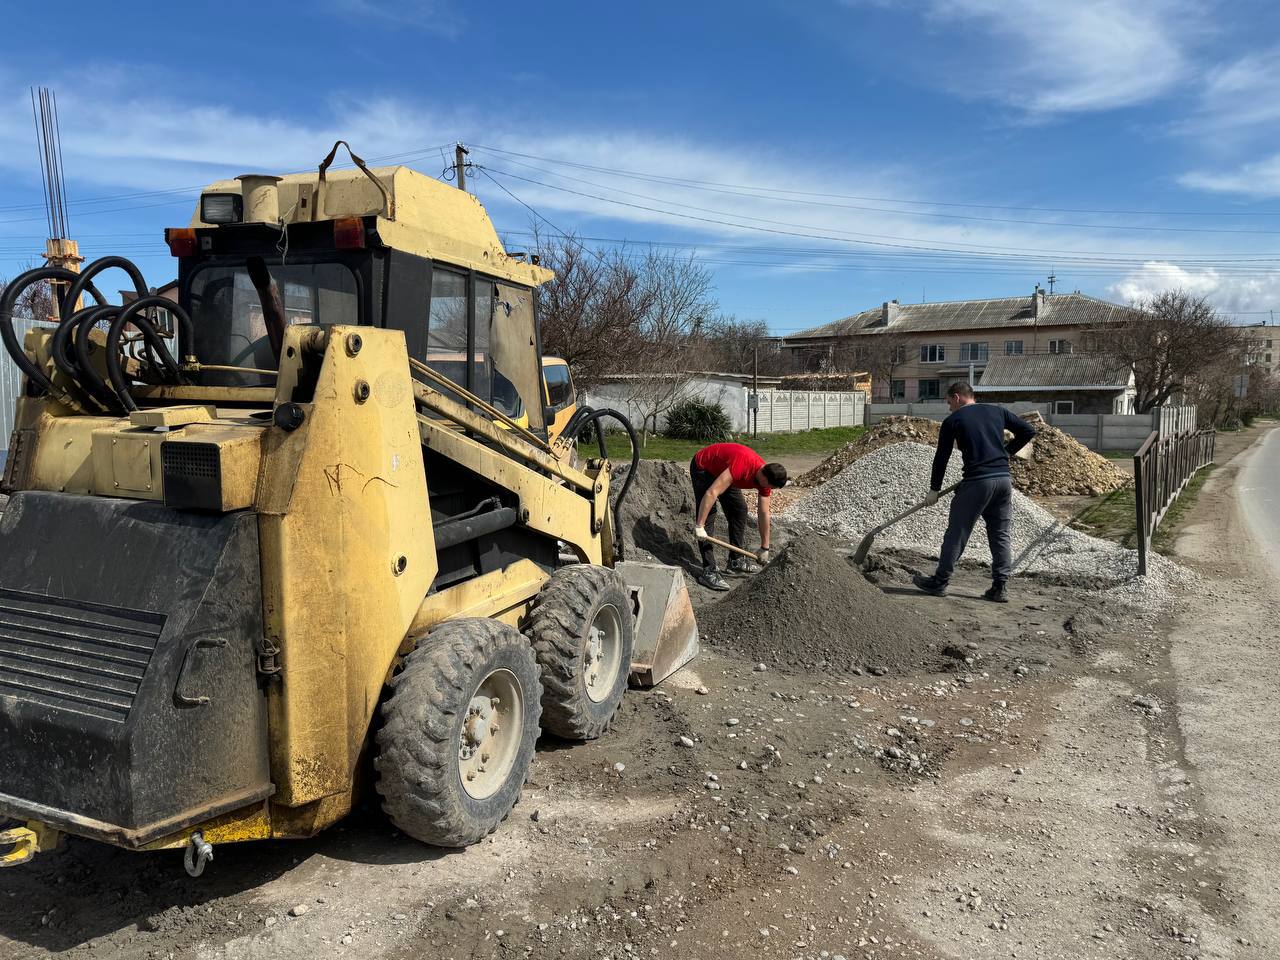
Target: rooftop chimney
[888,312]
[1037,302]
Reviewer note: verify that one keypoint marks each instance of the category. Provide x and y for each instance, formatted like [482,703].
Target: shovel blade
[666,632]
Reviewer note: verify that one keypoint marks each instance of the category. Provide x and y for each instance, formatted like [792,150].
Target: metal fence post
[1140,503]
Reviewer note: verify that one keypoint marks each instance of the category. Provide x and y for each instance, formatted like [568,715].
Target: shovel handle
[731,547]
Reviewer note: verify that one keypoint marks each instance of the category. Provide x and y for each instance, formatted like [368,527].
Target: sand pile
[657,516]
[810,609]
[1062,466]
[874,488]
[887,431]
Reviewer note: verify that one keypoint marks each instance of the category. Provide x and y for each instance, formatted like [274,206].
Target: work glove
[700,532]
[763,555]
[932,497]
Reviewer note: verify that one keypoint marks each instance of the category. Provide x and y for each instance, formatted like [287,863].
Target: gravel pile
[887,431]
[875,487]
[1059,466]
[810,609]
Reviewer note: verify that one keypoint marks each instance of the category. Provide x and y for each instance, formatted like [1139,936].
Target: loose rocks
[809,608]
[887,431]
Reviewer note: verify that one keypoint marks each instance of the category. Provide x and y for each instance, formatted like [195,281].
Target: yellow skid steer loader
[256,538]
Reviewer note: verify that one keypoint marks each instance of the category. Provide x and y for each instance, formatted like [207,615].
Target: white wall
[781,411]
[10,386]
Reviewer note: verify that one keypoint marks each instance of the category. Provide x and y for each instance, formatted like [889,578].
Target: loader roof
[420,215]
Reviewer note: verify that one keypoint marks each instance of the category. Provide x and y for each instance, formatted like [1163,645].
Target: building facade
[914,351]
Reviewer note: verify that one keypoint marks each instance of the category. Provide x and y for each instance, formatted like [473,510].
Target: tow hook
[26,842]
[199,852]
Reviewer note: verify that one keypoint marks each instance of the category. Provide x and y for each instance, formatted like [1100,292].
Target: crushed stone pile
[1059,466]
[1062,466]
[884,483]
[887,431]
[810,609]
[657,516]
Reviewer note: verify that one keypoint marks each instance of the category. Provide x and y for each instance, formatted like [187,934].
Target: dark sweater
[978,429]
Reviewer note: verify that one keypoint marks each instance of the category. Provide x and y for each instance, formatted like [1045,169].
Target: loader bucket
[666,632]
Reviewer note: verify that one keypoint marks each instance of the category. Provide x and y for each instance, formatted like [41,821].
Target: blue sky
[818,158]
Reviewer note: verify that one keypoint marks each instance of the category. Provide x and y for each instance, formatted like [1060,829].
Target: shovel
[732,548]
[860,557]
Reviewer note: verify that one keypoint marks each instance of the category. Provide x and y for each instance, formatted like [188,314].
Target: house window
[1059,346]
[898,355]
[933,353]
[1268,358]
[930,390]
[973,352]
[1013,348]
[860,353]
[1064,406]
[897,391]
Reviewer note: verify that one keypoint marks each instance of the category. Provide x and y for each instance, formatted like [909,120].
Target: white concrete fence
[10,386]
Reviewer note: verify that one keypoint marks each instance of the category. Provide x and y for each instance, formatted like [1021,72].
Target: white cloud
[1053,57]
[1231,293]
[1259,178]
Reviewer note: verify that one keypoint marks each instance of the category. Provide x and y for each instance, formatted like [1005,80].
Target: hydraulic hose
[87,373]
[584,415]
[133,314]
[85,276]
[9,302]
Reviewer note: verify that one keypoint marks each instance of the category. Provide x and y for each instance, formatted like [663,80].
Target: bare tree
[1168,342]
[35,302]
[678,292]
[879,354]
[590,311]
[730,345]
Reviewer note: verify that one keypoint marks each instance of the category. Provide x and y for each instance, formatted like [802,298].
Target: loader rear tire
[582,630]
[458,732]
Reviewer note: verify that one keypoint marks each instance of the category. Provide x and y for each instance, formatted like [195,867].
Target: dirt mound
[810,609]
[1062,466]
[657,515]
[887,431]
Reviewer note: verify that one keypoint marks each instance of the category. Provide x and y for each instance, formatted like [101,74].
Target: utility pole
[755,388]
[460,165]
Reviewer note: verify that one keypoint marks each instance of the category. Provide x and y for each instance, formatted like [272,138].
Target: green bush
[699,420]
[1247,417]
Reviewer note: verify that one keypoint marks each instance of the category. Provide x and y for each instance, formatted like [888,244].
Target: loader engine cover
[130,701]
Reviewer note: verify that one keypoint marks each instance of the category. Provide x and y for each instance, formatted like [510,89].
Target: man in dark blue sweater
[986,490]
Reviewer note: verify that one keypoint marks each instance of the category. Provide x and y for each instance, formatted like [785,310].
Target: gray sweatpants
[992,500]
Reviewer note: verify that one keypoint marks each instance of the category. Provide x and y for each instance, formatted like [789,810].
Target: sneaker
[929,585]
[712,580]
[743,565]
[996,594]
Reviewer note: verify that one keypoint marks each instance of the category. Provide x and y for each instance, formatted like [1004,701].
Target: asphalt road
[1258,490]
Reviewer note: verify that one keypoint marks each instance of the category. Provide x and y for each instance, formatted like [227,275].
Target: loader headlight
[220,207]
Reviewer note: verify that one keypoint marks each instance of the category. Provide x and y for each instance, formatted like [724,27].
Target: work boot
[930,585]
[996,594]
[712,580]
[743,565]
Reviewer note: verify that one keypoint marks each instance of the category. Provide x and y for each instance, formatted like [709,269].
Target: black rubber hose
[10,301]
[595,417]
[62,348]
[133,314]
[82,281]
[90,379]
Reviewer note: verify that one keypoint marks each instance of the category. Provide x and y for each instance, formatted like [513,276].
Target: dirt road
[1070,783]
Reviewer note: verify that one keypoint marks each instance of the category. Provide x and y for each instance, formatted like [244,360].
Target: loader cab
[477,330]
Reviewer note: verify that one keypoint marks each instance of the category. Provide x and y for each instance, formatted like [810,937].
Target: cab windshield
[231,329]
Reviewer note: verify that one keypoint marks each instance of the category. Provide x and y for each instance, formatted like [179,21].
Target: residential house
[916,350]
[1069,383]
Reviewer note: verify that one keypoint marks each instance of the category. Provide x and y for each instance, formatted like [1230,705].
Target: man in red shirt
[721,472]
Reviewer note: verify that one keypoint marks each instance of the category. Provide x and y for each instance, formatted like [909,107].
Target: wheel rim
[600,659]
[490,735]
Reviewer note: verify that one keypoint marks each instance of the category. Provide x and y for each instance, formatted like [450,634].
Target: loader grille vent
[197,461]
[84,657]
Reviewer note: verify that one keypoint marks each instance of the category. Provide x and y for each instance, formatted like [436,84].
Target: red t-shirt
[743,464]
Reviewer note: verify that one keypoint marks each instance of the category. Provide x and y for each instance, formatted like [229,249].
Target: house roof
[1058,309]
[1076,371]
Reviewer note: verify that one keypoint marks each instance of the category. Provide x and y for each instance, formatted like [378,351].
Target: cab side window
[559,386]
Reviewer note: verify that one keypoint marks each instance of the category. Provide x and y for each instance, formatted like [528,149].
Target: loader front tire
[458,732]
[582,630]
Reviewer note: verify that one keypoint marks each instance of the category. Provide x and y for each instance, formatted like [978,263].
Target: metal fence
[1162,467]
[10,386]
